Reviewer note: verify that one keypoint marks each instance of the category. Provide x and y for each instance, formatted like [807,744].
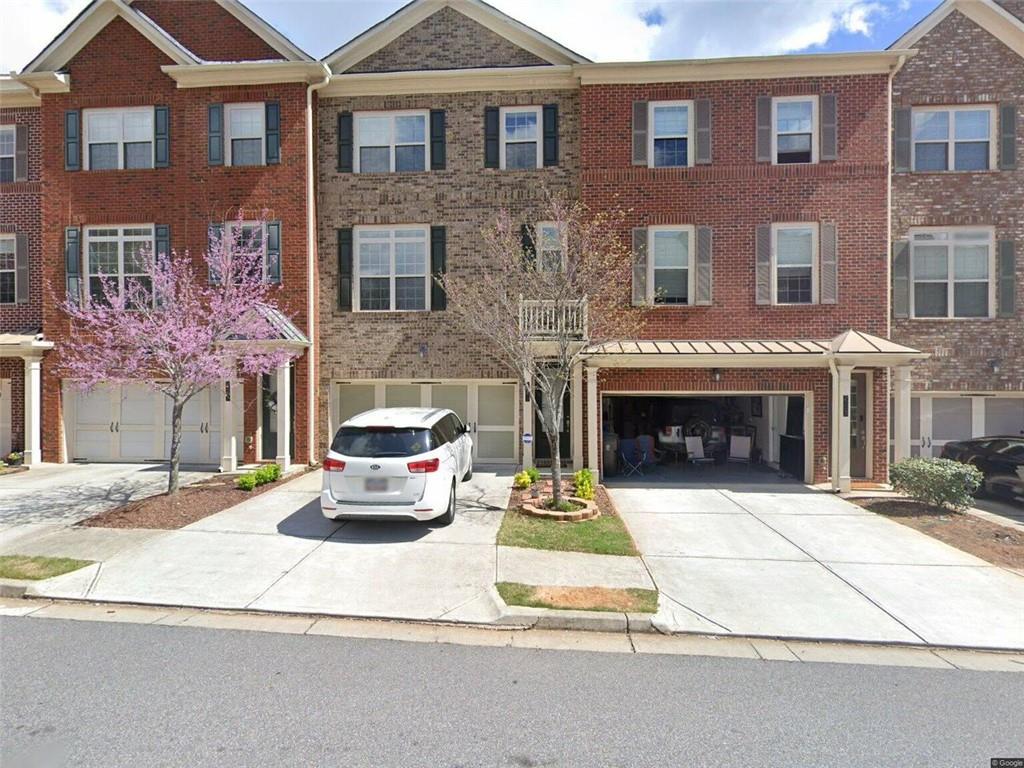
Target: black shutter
[161,137]
[73,263]
[272,126]
[438,266]
[901,279]
[72,140]
[438,159]
[491,138]
[1007,137]
[21,153]
[345,142]
[215,234]
[1006,277]
[273,252]
[901,144]
[21,267]
[529,247]
[162,240]
[550,134]
[345,269]
[215,141]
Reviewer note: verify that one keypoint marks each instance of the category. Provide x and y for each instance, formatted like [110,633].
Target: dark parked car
[1001,460]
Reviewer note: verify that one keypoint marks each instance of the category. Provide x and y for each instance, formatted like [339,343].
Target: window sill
[953,319]
[949,173]
[121,170]
[802,304]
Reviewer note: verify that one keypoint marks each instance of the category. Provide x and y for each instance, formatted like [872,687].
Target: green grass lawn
[579,598]
[35,568]
[604,535]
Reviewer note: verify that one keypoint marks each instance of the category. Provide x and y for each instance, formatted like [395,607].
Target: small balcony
[550,320]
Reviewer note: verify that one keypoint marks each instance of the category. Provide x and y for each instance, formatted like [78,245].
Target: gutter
[311,249]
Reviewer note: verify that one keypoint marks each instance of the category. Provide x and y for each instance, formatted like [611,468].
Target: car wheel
[449,514]
[469,474]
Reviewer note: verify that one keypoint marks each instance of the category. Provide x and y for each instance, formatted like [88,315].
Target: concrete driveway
[67,493]
[780,559]
[277,552]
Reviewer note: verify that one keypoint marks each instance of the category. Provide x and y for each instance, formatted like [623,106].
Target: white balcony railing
[544,320]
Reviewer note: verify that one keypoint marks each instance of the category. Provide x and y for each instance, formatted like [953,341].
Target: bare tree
[547,293]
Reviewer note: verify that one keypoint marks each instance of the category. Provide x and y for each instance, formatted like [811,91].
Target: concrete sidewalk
[277,552]
[544,568]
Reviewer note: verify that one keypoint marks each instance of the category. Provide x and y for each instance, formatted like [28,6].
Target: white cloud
[28,25]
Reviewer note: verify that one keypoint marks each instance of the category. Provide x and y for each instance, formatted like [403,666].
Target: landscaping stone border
[588,512]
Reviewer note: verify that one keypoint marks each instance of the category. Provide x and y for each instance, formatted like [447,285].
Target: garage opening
[646,435]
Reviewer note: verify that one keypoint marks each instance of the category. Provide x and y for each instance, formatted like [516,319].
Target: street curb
[13,587]
[520,617]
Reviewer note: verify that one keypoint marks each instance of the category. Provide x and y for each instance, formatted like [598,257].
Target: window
[670,133]
[795,263]
[117,254]
[954,138]
[118,138]
[8,263]
[253,235]
[245,132]
[550,253]
[392,268]
[794,129]
[951,273]
[389,142]
[520,137]
[670,276]
[7,141]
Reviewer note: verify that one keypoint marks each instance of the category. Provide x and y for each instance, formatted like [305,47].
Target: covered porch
[28,348]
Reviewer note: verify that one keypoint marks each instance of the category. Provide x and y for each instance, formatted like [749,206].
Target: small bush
[521,481]
[565,505]
[938,482]
[584,482]
[534,474]
[247,481]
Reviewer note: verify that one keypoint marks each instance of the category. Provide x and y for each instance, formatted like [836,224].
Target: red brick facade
[188,195]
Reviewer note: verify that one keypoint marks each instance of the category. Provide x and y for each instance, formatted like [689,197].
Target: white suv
[397,462]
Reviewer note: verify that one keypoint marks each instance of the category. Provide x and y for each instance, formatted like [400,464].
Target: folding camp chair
[632,458]
[695,452]
[739,449]
[651,454]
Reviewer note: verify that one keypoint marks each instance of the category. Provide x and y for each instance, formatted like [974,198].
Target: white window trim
[228,109]
[815,259]
[951,140]
[815,126]
[229,227]
[122,111]
[691,271]
[357,277]
[539,111]
[689,131]
[950,282]
[13,240]
[537,232]
[392,114]
[120,240]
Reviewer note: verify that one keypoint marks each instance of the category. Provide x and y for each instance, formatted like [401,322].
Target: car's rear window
[384,442]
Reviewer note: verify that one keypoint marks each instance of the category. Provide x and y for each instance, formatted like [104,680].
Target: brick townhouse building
[158,125]
[958,221]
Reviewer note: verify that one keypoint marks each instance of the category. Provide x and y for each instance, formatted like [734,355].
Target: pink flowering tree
[174,328]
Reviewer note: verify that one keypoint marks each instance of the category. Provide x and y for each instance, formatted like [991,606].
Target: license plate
[376,484]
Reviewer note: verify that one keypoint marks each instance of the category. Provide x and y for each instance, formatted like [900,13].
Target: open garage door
[766,429]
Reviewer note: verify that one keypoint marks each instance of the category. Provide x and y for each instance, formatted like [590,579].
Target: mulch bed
[189,504]
[997,544]
[604,504]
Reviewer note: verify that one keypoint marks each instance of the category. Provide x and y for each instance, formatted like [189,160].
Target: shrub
[938,482]
[247,481]
[584,482]
[521,481]
[534,474]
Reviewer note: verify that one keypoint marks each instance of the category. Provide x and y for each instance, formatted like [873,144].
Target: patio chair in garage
[632,457]
[652,455]
[695,452]
[739,449]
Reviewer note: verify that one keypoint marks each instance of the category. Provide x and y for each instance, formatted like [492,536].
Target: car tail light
[427,465]
[334,465]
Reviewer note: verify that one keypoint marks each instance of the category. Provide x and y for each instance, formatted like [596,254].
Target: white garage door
[942,417]
[489,407]
[132,423]
[5,416]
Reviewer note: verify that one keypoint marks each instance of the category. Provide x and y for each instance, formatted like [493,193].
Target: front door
[542,449]
[268,414]
[858,425]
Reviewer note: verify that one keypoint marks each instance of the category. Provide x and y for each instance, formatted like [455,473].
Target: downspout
[833,427]
[313,384]
[888,234]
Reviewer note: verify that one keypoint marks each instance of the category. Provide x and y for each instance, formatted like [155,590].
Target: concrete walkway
[544,568]
[780,559]
[277,552]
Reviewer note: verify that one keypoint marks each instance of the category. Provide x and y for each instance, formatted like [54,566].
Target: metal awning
[849,348]
[283,332]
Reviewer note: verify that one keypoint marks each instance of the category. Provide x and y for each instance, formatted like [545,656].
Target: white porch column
[576,417]
[593,418]
[228,449]
[529,395]
[33,453]
[901,412]
[841,428]
[284,416]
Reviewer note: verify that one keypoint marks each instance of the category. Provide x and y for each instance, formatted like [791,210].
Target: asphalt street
[106,694]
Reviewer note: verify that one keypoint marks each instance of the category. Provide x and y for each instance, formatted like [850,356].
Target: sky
[602,30]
